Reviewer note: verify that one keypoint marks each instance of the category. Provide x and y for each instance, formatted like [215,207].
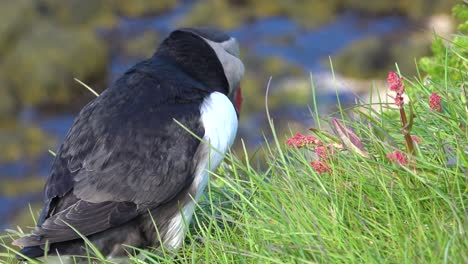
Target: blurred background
[44,44]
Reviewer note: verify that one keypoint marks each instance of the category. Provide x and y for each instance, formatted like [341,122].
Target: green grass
[364,210]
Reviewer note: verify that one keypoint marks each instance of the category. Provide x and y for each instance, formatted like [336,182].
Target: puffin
[137,158]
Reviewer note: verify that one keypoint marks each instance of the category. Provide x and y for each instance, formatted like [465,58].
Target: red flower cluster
[395,83]
[300,141]
[435,102]
[320,166]
[398,157]
[321,151]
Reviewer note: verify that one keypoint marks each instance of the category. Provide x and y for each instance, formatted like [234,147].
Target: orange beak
[238,101]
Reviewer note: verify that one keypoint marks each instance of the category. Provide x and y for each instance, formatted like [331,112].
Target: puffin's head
[210,56]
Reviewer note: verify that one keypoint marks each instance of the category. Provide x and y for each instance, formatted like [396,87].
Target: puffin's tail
[31,252]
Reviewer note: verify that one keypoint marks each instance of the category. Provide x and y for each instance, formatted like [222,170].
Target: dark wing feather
[125,145]
[124,149]
[87,218]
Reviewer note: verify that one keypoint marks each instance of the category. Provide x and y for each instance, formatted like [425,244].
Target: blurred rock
[8,103]
[141,46]
[309,13]
[79,13]
[365,58]
[229,14]
[142,7]
[258,71]
[15,18]
[25,216]
[441,24]
[21,141]
[101,13]
[41,67]
[19,187]
[374,56]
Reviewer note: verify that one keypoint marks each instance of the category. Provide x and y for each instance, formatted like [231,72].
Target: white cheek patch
[231,47]
[227,53]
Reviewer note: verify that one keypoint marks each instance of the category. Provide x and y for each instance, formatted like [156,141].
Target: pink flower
[321,151]
[300,140]
[320,166]
[398,157]
[416,139]
[399,101]
[435,102]
[395,82]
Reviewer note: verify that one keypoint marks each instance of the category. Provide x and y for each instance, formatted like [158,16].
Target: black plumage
[124,154]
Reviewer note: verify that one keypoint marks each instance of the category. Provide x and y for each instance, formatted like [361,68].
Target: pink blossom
[398,157]
[399,101]
[321,151]
[320,166]
[435,102]
[300,140]
[395,82]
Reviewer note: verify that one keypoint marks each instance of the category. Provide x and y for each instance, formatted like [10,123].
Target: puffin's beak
[237,101]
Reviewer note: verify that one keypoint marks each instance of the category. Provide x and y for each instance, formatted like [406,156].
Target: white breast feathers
[219,119]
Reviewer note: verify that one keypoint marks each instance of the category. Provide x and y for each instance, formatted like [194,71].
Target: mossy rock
[142,46]
[311,14]
[142,7]
[80,12]
[101,13]
[278,67]
[364,59]
[257,72]
[421,9]
[15,18]
[408,51]
[25,216]
[41,68]
[416,9]
[229,14]
[11,187]
[21,141]
[374,56]
[299,93]
[8,102]
[220,13]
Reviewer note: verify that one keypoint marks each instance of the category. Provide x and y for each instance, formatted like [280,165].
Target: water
[307,48]
[277,36]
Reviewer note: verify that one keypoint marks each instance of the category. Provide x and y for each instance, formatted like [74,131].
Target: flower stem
[406,132]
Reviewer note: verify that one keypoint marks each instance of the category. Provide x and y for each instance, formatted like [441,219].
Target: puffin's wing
[126,146]
[124,151]
[85,217]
